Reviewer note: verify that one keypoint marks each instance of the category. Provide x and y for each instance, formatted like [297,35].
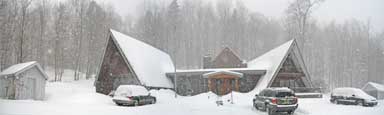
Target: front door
[221,86]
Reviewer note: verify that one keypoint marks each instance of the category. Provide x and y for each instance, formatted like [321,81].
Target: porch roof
[236,74]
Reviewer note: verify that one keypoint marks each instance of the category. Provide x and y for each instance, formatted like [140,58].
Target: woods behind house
[72,34]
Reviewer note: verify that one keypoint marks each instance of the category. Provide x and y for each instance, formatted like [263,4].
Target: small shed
[23,81]
[374,89]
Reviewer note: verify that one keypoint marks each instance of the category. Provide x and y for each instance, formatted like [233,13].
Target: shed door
[30,88]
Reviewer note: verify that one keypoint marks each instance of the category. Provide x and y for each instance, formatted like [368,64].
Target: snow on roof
[150,64]
[270,61]
[281,88]
[18,68]
[375,85]
[223,72]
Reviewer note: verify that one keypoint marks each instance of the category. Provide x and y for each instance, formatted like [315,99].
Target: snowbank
[79,98]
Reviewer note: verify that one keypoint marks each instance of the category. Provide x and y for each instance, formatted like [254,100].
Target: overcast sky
[330,10]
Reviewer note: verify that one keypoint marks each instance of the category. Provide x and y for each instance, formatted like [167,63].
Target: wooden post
[224,88]
[237,84]
[209,84]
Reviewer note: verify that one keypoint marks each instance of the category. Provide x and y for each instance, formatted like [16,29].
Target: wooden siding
[222,84]
[29,84]
[5,86]
[226,59]
[193,84]
[289,75]
[114,71]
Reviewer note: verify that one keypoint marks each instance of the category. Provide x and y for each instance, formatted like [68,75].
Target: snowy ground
[79,98]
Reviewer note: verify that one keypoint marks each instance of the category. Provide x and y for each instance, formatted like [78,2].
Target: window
[270,93]
[284,94]
[262,93]
[266,93]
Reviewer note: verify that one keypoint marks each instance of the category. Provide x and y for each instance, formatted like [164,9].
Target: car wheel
[337,101]
[360,103]
[119,104]
[254,105]
[136,103]
[265,107]
[270,112]
[291,112]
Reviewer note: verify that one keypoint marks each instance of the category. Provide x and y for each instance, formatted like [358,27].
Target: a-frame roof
[274,59]
[149,64]
[21,67]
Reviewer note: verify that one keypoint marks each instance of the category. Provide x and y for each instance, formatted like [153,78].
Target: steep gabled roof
[21,67]
[149,64]
[228,51]
[273,60]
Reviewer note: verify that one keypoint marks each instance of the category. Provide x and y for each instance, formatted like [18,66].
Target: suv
[276,100]
[354,96]
[132,95]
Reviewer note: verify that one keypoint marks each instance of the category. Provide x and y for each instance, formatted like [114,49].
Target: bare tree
[24,13]
[298,14]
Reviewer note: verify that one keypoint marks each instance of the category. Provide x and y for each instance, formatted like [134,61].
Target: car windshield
[284,94]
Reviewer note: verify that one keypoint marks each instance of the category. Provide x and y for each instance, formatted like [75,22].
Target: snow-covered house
[374,89]
[132,62]
[23,81]
[282,66]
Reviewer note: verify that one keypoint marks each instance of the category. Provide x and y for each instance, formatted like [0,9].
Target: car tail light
[129,97]
[274,100]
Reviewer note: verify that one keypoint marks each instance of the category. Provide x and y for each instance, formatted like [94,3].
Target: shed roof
[21,67]
[377,86]
[148,63]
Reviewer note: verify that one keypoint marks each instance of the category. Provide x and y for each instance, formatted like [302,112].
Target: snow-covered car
[275,100]
[132,95]
[354,96]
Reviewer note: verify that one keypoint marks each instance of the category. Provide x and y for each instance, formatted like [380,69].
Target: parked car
[354,96]
[132,95]
[275,100]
